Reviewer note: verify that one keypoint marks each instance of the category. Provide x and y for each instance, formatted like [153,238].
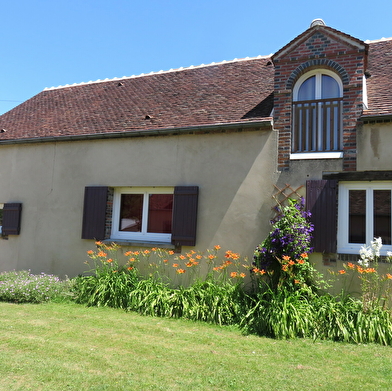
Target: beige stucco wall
[374,147]
[234,172]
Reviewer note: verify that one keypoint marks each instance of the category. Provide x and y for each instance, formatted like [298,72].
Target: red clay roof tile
[223,93]
[229,92]
[379,84]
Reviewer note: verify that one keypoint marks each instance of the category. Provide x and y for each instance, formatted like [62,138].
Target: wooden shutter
[321,201]
[11,218]
[185,215]
[94,212]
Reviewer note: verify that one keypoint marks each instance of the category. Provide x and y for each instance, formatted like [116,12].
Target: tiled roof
[379,84]
[228,92]
[238,91]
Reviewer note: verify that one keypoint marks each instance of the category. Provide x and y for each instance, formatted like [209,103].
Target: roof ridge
[378,40]
[157,73]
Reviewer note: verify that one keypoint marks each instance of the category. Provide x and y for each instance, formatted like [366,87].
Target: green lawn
[69,347]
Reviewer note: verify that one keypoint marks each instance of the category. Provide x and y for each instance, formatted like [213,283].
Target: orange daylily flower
[350,265]
[180,271]
[342,271]
[217,247]
[233,274]
[360,269]
[175,265]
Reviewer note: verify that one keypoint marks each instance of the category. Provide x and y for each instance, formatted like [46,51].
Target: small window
[148,214]
[364,214]
[143,214]
[317,113]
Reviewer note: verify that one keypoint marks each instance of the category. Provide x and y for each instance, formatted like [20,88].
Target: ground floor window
[142,213]
[364,213]
[157,215]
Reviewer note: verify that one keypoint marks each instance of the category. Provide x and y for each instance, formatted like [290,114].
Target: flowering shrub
[24,287]
[283,254]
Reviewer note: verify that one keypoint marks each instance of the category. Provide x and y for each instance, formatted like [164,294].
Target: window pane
[307,91]
[131,212]
[160,209]
[329,87]
[382,215]
[357,216]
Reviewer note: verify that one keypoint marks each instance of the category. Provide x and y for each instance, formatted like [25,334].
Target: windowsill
[316,155]
[140,243]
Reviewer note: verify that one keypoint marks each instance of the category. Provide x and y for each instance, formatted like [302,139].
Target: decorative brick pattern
[109,213]
[320,48]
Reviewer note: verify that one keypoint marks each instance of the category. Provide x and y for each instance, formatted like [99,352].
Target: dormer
[319,95]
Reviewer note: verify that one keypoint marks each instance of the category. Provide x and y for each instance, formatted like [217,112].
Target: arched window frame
[300,148]
[318,73]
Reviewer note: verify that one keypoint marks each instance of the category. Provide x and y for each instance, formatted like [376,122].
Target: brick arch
[311,64]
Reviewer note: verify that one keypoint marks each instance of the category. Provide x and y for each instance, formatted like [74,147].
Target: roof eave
[262,124]
[377,117]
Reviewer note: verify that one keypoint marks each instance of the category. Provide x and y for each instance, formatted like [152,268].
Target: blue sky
[47,43]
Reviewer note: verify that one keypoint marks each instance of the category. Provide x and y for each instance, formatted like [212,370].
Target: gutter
[377,118]
[216,128]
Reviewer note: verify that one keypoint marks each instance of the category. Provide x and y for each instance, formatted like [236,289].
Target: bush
[287,243]
[24,287]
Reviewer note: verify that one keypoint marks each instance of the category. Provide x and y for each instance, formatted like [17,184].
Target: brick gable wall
[319,50]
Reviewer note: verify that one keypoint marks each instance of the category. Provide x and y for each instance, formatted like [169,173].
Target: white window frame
[343,245]
[116,234]
[318,73]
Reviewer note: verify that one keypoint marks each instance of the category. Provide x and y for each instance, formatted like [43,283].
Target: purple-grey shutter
[11,218]
[94,212]
[321,201]
[185,215]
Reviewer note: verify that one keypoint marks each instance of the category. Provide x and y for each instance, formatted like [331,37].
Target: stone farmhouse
[194,157]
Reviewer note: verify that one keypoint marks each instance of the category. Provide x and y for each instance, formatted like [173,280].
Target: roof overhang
[262,124]
[376,118]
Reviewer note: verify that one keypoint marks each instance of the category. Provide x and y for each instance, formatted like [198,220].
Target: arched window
[317,112]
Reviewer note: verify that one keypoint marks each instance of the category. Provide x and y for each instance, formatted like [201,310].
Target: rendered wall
[374,141]
[234,171]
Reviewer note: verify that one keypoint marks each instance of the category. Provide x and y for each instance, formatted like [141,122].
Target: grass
[61,346]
